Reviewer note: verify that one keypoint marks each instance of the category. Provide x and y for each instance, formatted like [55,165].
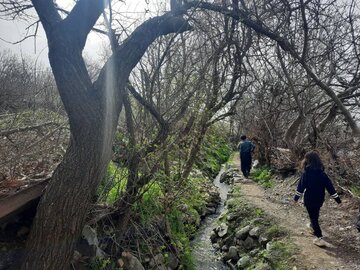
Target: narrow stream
[203,252]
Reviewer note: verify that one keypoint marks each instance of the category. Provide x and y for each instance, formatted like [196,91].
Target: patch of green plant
[263,176]
[279,254]
[259,212]
[104,264]
[150,204]
[113,184]
[180,238]
[215,151]
[275,231]
[356,190]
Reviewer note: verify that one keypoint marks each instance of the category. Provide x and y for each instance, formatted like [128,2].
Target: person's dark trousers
[314,218]
[245,159]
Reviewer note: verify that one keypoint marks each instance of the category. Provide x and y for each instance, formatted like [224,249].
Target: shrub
[262,176]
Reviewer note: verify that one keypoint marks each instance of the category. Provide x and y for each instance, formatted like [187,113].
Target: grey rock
[223,229]
[216,246]
[232,254]
[255,232]
[243,233]
[243,262]
[129,262]
[160,267]
[253,252]
[232,216]
[224,248]
[90,235]
[173,261]
[157,260]
[263,240]
[249,243]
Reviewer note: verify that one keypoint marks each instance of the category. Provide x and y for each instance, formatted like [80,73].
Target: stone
[157,260]
[253,252]
[255,232]
[232,216]
[216,246]
[224,248]
[173,261]
[243,233]
[90,236]
[160,267]
[263,240]
[129,261]
[249,243]
[223,229]
[243,262]
[232,254]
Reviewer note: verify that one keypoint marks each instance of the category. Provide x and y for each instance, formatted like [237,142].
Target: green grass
[113,184]
[356,190]
[263,176]
[275,231]
[279,254]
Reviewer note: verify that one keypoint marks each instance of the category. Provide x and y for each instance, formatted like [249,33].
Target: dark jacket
[246,147]
[314,183]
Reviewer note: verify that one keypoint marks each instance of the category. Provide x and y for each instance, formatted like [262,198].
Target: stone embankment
[245,237]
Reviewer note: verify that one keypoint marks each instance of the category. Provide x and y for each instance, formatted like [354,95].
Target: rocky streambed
[204,253]
[240,236]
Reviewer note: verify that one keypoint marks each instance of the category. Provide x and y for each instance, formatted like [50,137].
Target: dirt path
[277,204]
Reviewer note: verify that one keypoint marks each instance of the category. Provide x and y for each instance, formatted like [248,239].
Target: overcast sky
[12,31]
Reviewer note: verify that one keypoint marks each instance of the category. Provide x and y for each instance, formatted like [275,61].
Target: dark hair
[312,161]
[243,137]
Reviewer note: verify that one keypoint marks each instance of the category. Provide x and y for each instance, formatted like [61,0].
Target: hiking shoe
[319,242]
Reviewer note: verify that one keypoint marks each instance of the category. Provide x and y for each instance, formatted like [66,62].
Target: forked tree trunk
[93,111]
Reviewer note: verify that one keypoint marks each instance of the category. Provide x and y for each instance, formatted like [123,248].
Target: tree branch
[82,18]
[47,13]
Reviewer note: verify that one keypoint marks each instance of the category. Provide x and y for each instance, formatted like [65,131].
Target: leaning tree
[92,107]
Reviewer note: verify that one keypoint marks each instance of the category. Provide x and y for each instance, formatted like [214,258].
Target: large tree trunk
[63,208]
[93,110]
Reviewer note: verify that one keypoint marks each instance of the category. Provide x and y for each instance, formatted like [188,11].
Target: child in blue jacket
[313,183]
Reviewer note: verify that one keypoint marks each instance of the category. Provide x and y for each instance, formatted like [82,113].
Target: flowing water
[204,254]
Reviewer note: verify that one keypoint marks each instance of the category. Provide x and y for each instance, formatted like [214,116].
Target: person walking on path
[313,183]
[246,148]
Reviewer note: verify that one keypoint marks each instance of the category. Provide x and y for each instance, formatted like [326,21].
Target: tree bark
[93,111]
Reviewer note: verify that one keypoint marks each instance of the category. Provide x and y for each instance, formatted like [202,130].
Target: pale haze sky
[12,31]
